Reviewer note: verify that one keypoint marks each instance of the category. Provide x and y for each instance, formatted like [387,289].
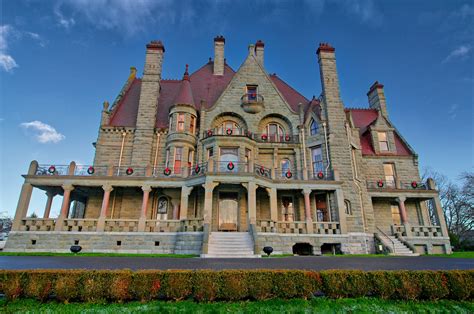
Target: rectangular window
[383,142]
[192,125]
[180,126]
[317,160]
[252,92]
[389,171]
[178,156]
[395,215]
[210,153]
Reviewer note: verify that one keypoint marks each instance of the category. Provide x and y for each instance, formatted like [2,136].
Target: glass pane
[382,136]
[228,211]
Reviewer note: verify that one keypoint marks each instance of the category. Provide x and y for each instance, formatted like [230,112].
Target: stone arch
[283,121]
[229,116]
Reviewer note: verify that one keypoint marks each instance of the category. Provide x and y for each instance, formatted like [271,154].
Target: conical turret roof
[185,94]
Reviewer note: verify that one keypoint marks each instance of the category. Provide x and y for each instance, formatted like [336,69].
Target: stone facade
[224,150]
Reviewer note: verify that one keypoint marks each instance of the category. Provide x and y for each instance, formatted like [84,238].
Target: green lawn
[95,254]
[319,305]
[457,254]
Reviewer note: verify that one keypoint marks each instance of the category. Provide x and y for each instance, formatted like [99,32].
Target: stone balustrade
[163,226]
[37,224]
[426,231]
[298,227]
[327,227]
[265,226]
[398,229]
[121,225]
[80,225]
[190,225]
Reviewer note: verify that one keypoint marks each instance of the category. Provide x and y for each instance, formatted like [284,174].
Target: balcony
[298,227]
[252,102]
[397,185]
[257,137]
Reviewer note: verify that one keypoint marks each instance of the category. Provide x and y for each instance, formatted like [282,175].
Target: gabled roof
[362,119]
[205,89]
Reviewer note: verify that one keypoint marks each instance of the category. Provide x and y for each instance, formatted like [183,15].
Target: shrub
[434,285]
[407,285]
[120,286]
[177,284]
[260,284]
[346,283]
[13,286]
[39,284]
[66,286]
[146,285]
[95,285]
[383,284]
[205,286]
[232,285]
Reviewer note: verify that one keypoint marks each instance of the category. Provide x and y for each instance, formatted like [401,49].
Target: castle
[225,162]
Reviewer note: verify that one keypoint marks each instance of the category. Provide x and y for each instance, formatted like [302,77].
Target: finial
[186,74]
[105,105]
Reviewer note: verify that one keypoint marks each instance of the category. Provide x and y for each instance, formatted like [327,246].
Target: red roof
[363,118]
[203,86]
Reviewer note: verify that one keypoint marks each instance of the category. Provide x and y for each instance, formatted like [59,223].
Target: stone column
[341,210]
[440,215]
[307,210]
[272,192]
[24,200]
[49,202]
[403,215]
[105,205]
[64,207]
[252,202]
[185,192]
[143,214]
[207,215]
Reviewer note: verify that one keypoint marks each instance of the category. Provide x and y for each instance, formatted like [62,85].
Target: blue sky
[60,59]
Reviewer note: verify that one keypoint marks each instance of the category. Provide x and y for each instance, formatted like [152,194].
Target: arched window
[275,132]
[285,167]
[228,125]
[313,127]
[348,208]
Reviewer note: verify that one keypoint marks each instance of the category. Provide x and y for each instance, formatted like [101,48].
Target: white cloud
[67,23]
[6,61]
[453,111]
[460,52]
[43,133]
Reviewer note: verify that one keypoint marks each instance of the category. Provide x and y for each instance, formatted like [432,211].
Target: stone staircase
[230,245]
[399,248]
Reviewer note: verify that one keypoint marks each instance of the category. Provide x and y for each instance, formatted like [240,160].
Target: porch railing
[298,227]
[327,227]
[266,226]
[90,170]
[193,224]
[399,185]
[163,226]
[258,137]
[80,225]
[52,170]
[121,225]
[426,231]
[37,224]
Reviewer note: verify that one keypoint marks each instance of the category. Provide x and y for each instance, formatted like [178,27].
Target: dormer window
[252,92]
[383,142]
[313,127]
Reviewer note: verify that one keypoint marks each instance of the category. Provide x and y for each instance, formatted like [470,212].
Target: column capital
[68,187]
[146,188]
[50,194]
[107,188]
[306,191]
[186,190]
[401,199]
[210,185]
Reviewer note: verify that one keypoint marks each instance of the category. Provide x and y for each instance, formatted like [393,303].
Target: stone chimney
[377,98]
[148,104]
[259,50]
[219,43]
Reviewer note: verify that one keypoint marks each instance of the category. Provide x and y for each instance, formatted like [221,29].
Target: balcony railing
[121,225]
[426,231]
[396,185]
[327,227]
[258,137]
[37,224]
[263,171]
[80,225]
[52,170]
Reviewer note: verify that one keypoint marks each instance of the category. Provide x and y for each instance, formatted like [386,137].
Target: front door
[228,211]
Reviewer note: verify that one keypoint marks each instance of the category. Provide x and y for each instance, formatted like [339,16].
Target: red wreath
[287,138]
[264,137]
[197,169]
[288,174]
[167,171]
[209,133]
[380,184]
[229,132]
[52,169]
[320,175]
[230,166]
[414,184]
[129,171]
[90,170]
[262,170]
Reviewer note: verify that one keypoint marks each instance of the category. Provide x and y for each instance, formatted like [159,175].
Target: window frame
[313,130]
[385,141]
[180,123]
[176,149]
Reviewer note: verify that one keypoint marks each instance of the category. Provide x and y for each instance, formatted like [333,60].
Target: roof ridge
[355,108]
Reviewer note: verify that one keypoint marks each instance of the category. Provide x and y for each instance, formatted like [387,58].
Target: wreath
[167,171]
[288,174]
[52,169]
[261,170]
[197,169]
[129,171]
[264,137]
[229,132]
[380,184]
[287,138]
[414,184]
[209,133]
[90,170]
[320,175]
[230,166]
